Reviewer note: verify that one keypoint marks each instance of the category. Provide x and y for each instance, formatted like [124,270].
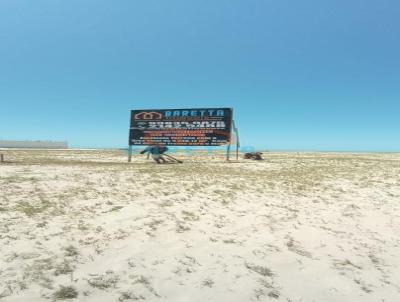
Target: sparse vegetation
[63,268]
[180,227]
[116,208]
[65,293]
[190,216]
[263,271]
[129,296]
[31,209]
[208,283]
[105,281]
[71,251]
[274,294]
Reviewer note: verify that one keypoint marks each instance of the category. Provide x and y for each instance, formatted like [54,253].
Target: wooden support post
[130,141]
[228,151]
[228,148]
[2,158]
[237,140]
[129,154]
[237,151]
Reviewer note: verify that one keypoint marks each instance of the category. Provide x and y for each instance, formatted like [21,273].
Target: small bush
[66,292]
[71,251]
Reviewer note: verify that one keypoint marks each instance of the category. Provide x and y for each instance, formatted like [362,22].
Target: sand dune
[88,226]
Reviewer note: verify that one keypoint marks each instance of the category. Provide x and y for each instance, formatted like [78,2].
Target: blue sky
[301,75]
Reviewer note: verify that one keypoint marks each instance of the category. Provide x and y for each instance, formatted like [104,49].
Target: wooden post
[237,151]
[228,151]
[237,140]
[130,141]
[129,154]
[2,158]
[228,148]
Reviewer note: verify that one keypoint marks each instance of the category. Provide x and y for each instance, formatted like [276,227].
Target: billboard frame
[232,128]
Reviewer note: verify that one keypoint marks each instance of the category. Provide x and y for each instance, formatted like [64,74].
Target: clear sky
[300,75]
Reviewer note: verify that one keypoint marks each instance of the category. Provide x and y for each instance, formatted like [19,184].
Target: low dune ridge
[85,225]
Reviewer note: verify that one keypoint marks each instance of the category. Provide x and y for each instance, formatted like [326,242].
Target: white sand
[295,227]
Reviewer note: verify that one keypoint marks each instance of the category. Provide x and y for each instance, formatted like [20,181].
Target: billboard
[181,127]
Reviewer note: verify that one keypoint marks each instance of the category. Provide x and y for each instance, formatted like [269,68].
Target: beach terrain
[85,225]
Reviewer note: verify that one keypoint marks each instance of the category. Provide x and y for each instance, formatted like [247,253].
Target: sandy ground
[88,226]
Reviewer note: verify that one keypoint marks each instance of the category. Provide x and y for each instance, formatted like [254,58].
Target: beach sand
[85,225]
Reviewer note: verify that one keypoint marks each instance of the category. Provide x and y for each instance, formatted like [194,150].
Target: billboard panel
[181,127]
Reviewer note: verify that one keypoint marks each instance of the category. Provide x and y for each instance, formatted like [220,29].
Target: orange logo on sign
[148,116]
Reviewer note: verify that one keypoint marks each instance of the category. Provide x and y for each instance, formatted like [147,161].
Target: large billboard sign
[181,127]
